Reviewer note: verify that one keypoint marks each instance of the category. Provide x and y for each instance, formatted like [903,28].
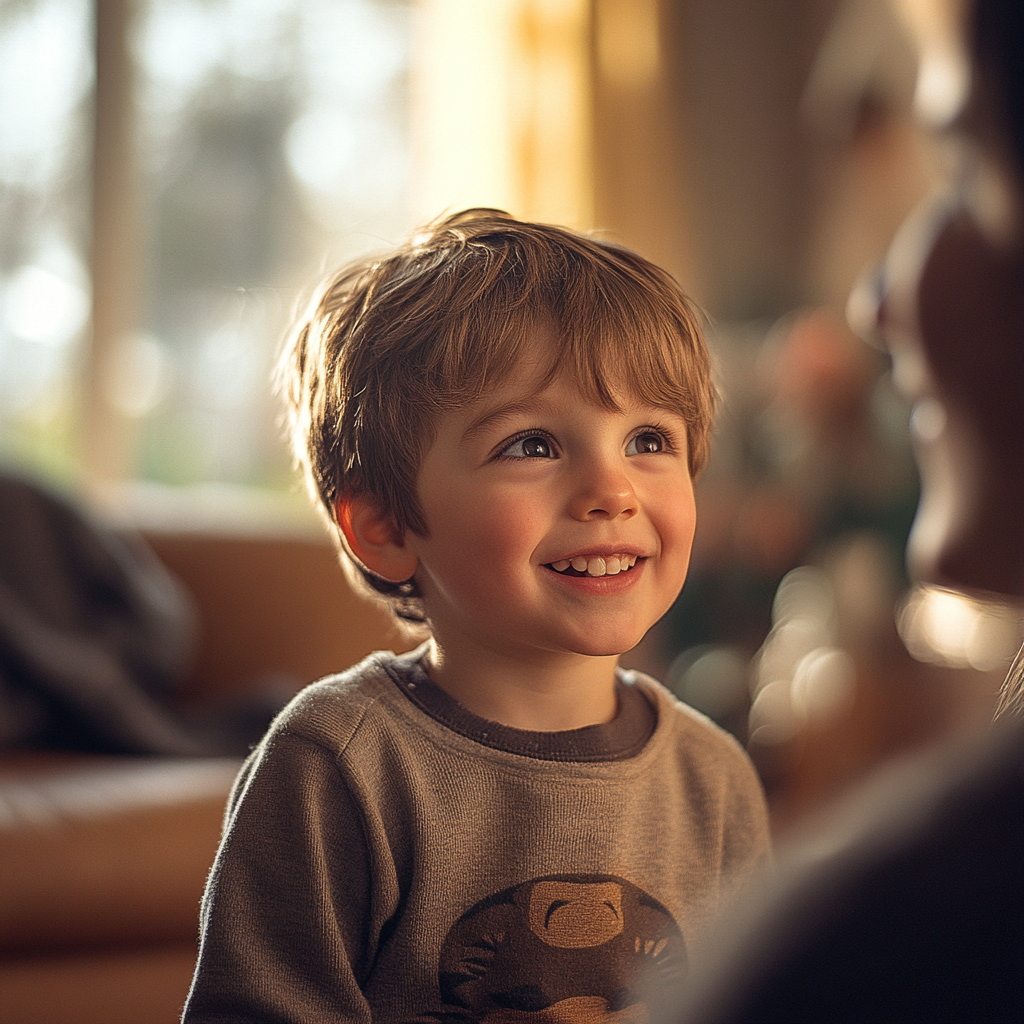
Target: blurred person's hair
[1011,695]
[389,344]
[998,51]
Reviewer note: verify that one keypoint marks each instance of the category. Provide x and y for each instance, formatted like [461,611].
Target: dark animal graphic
[563,948]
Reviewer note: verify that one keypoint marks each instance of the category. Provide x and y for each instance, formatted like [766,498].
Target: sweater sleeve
[285,929]
[747,841]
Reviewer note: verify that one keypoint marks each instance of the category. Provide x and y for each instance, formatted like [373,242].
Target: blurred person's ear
[375,539]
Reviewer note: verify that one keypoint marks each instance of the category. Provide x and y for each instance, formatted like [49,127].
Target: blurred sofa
[103,858]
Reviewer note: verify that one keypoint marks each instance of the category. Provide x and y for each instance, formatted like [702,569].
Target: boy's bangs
[470,368]
[621,352]
[610,365]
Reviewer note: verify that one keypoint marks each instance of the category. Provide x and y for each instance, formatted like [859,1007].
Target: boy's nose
[603,494]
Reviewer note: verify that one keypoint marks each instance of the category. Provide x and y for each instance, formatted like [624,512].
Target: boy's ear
[375,539]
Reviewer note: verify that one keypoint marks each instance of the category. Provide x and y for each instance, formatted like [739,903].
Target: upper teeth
[595,565]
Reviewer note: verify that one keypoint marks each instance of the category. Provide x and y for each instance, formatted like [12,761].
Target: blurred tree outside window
[46,78]
[270,143]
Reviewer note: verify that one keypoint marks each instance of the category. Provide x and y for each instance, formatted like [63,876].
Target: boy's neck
[551,693]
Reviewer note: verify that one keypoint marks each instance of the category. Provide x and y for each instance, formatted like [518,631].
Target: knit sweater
[388,855]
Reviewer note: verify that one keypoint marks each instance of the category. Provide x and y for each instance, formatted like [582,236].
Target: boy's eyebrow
[530,404]
[502,412]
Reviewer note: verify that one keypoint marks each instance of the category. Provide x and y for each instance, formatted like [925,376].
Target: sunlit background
[175,174]
[258,143]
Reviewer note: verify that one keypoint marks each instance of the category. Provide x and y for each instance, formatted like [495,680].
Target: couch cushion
[272,609]
[106,849]
[138,985]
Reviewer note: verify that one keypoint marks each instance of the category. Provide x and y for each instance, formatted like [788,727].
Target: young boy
[502,420]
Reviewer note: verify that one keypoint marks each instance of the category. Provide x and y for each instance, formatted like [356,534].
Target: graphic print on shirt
[561,948]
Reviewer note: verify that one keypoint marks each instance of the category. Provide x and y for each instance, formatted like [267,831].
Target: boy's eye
[647,442]
[534,446]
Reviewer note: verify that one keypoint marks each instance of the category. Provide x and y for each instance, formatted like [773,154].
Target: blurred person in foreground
[910,906]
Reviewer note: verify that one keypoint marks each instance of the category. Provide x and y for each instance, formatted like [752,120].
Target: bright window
[46,76]
[269,141]
[175,175]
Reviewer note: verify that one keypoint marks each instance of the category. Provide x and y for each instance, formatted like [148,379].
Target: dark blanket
[95,634]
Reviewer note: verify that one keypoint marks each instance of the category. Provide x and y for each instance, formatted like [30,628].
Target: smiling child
[502,421]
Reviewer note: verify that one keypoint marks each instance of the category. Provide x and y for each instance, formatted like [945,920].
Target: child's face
[525,483]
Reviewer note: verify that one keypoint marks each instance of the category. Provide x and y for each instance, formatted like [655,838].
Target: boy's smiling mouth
[594,565]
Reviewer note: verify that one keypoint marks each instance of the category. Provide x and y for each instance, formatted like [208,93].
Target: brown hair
[389,344]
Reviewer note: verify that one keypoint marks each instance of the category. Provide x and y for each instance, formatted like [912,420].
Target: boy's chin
[605,652]
[605,647]
[610,639]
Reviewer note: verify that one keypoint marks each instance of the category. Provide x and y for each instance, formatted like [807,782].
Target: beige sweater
[389,856]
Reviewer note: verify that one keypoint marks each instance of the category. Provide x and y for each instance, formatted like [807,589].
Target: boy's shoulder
[693,737]
[330,711]
[691,724]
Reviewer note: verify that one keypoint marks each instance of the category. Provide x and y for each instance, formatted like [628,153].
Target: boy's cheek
[682,541]
[674,510]
[479,551]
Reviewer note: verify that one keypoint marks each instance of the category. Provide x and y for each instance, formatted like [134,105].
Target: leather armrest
[99,850]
